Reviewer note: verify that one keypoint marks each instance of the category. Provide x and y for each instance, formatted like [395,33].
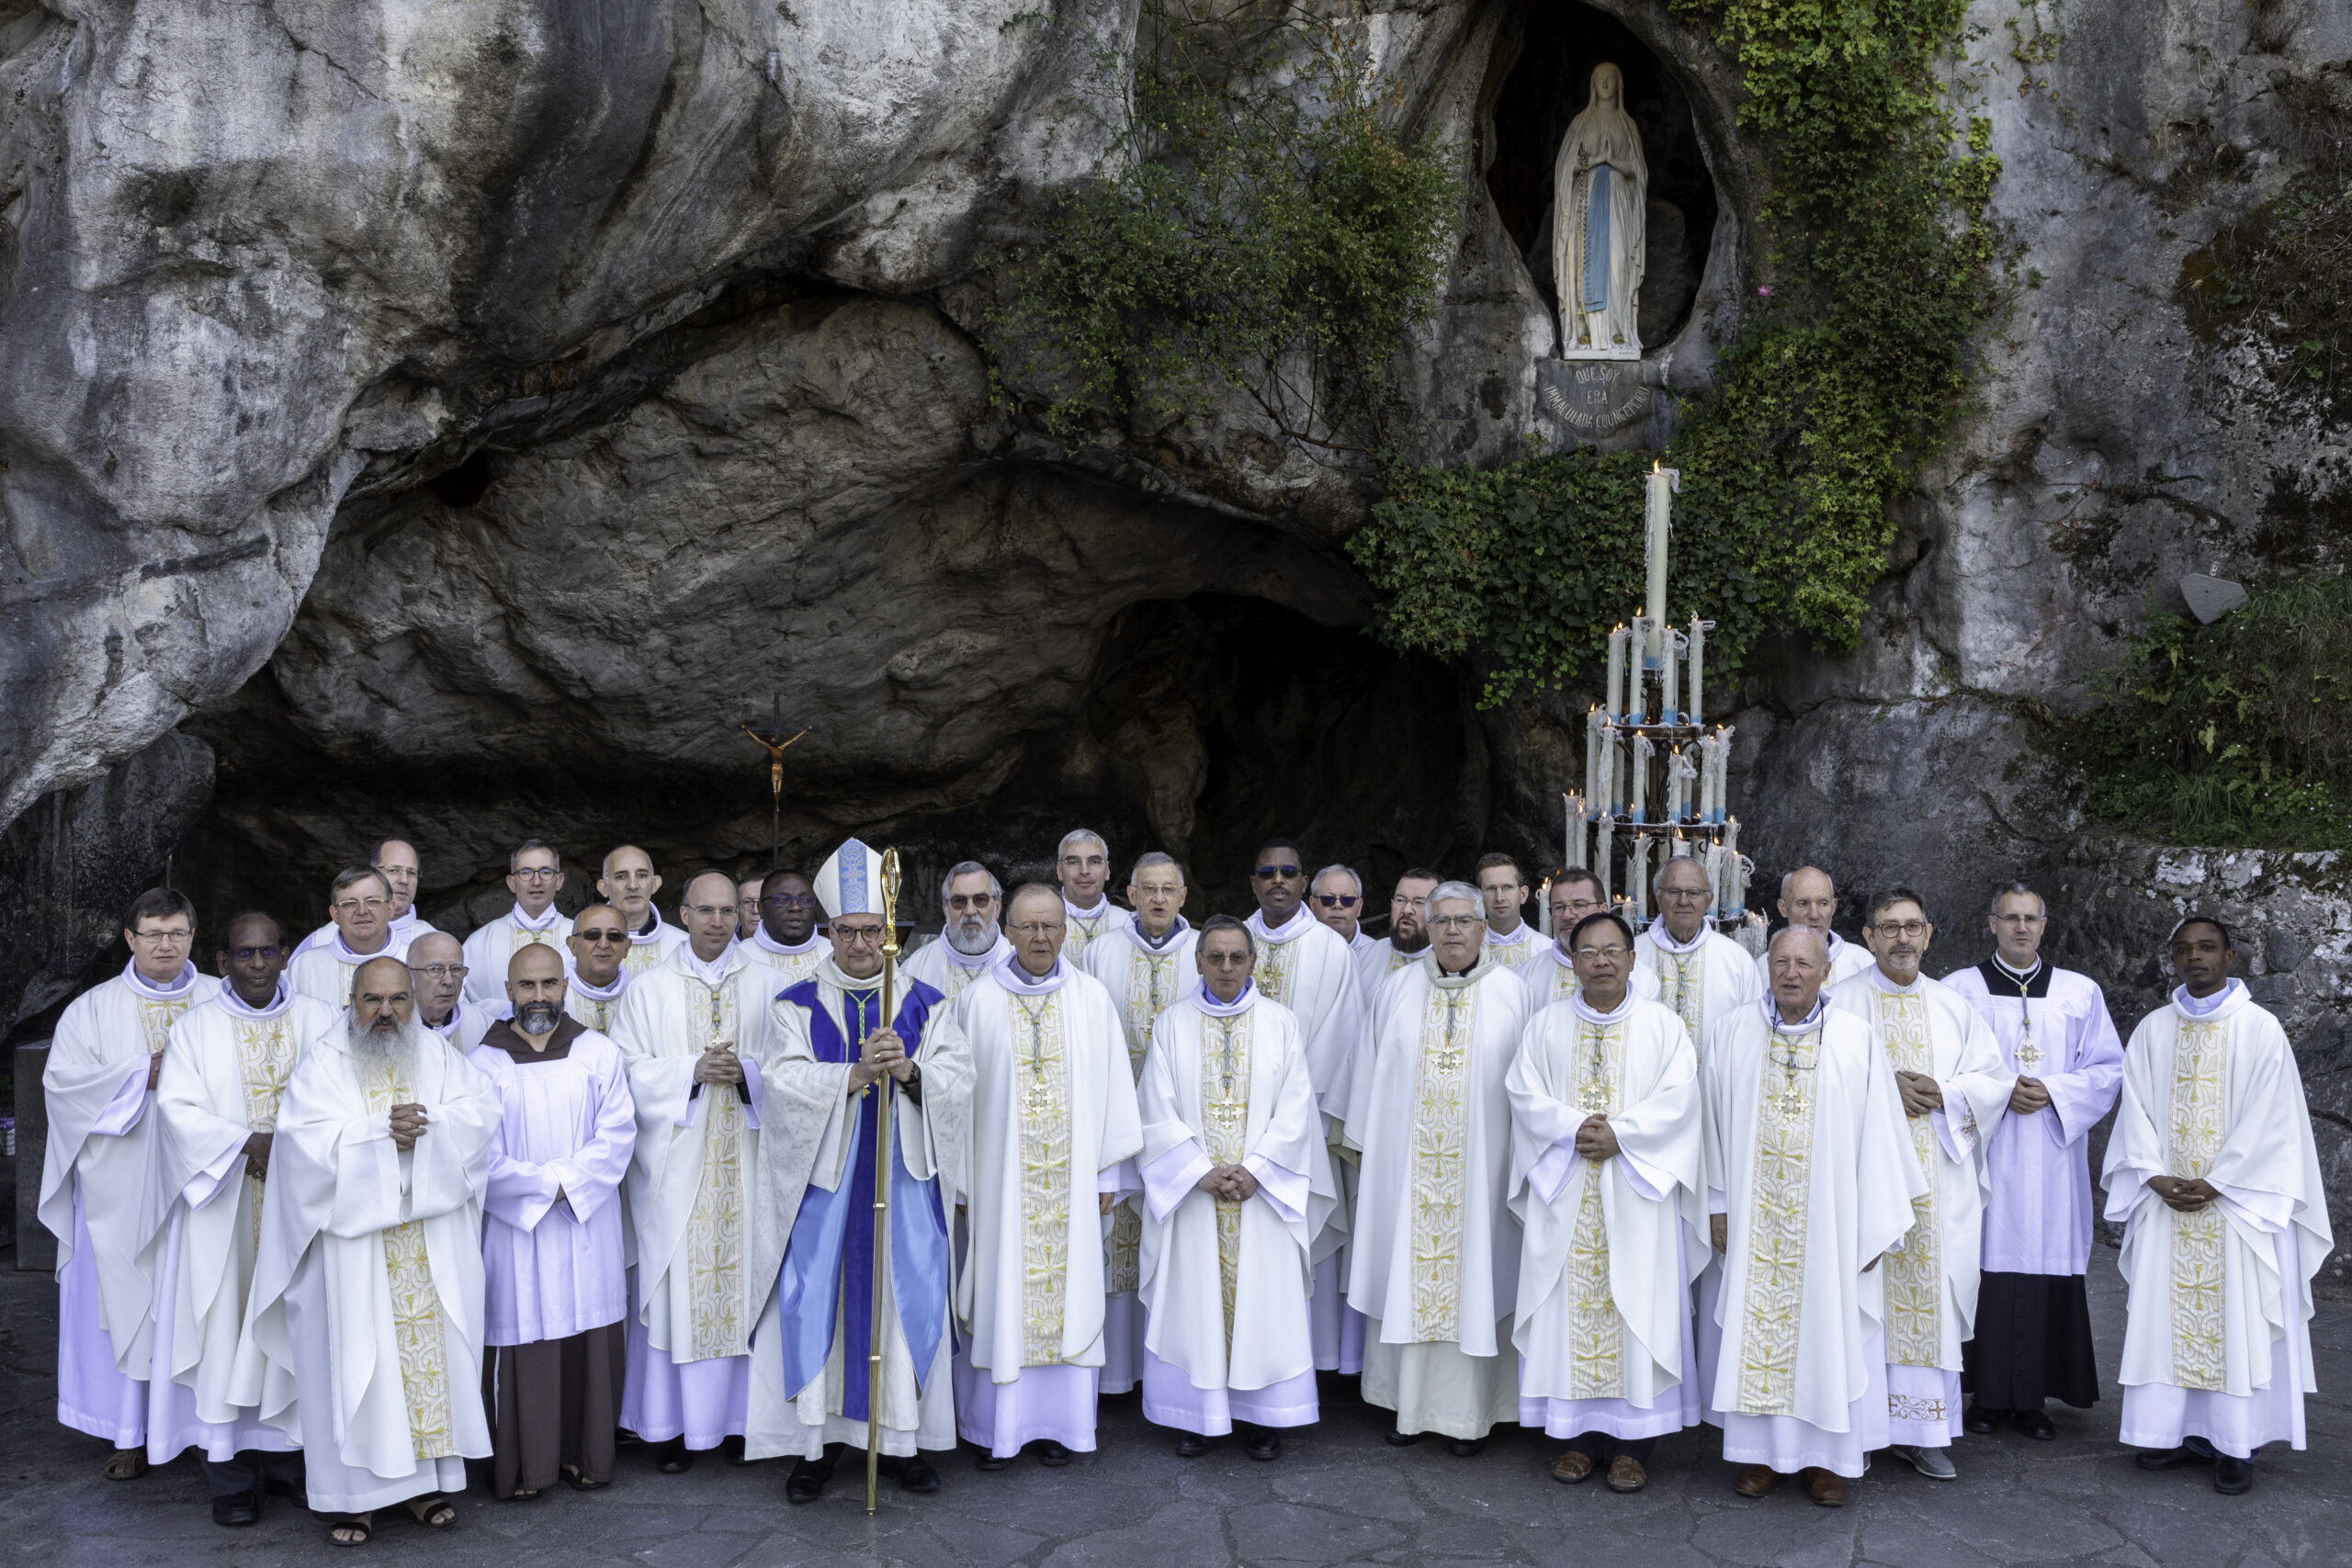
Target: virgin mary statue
[1601,182]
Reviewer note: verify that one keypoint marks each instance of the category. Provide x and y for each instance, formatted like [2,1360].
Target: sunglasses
[255,955]
[790,901]
[613,934]
[1270,872]
[1338,900]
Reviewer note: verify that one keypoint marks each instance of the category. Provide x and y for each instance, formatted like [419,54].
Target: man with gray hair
[971,941]
[2033,1316]
[1336,898]
[1082,866]
[1809,898]
[396,860]
[359,902]
[534,875]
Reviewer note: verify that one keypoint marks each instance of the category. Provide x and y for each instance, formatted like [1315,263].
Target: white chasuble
[1081,929]
[1702,979]
[595,1007]
[1144,981]
[1810,1159]
[224,1077]
[326,972]
[1375,962]
[1305,966]
[1435,1260]
[1602,1322]
[2216,1334]
[648,948]
[937,964]
[101,1193]
[366,1338]
[492,948]
[1514,952]
[792,962]
[1928,1028]
[1551,976]
[1228,1282]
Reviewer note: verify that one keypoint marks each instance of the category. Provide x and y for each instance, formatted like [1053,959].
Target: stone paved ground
[1336,1495]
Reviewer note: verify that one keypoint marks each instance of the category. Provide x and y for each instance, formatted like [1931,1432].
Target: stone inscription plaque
[1588,399]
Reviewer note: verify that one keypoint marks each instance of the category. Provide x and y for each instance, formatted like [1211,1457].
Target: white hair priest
[366,1340]
[98,1194]
[1238,1181]
[1607,1179]
[1811,1177]
[1147,966]
[970,942]
[1433,1261]
[1954,1088]
[1054,1125]
[1809,898]
[832,1055]
[2212,1172]
[693,1031]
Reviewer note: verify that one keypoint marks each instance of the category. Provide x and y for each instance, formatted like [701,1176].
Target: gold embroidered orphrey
[1597,1370]
[2199,1060]
[1277,963]
[1915,1276]
[1151,982]
[1043,1076]
[1689,996]
[417,1303]
[157,1018]
[714,1226]
[1779,1203]
[1225,1121]
[1440,1150]
[266,1049]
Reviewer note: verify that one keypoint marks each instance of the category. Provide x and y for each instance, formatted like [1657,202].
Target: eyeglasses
[857,936]
[1338,900]
[444,971]
[161,938]
[535,873]
[1580,908]
[971,900]
[1685,895]
[790,901]
[1612,951]
[1084,863]
[707,910]
[611,933]
[1268,873]
[1036,928]
[1456,922]
[1901,927]
[353,906]
[2022,919]
[255,955]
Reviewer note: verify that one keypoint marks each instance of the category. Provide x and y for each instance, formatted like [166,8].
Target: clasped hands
[2029,1096]
[408,1125]
[1921,1094]
[1230,1183]
[1596,1140]
[2182,1194]
[720,1065]
[882,1052]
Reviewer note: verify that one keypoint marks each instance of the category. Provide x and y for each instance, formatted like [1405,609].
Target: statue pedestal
[1595,401]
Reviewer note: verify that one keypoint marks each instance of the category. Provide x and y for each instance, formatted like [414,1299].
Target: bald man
[628,885]
[1809,898]
[597,973]
[436,962]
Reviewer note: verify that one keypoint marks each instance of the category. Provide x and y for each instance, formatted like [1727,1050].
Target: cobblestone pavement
[1337,1495]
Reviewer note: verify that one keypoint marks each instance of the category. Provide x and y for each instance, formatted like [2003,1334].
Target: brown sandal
[434,1511]
[126,1464]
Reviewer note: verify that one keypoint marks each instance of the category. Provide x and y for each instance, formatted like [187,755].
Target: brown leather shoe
[1824,1487]
[1626,1475]
[1755,1480]
[1572,1466]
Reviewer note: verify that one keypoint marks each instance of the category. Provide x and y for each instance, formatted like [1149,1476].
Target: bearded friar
[628,884]
[1054,1126]
[1607,1178]
[1146,966]
[534,875]
[557,1281]
[785,938]
[1808,1155]
[359,901]
[1434,1258]
[1082,866]
[971,942]
[98,1194]
[2213,1174]
[1949,1072]
[366,1337]
[1238,1181]
[594,975]
[1551,970]
[225,1072]
[832,1057]
[692,1029]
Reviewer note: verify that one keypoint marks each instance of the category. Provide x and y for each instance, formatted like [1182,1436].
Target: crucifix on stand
[774,742]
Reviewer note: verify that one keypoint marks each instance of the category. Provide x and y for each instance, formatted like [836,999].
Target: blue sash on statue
[829,1263]
[1596,241]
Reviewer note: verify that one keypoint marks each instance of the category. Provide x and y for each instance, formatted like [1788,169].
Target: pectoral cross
[1225,1039]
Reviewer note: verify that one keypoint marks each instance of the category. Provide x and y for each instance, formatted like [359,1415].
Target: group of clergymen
[365,1207]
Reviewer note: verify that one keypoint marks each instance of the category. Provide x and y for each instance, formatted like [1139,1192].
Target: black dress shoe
[2196,1451]
[731,1451]
[807,1482]
[244,1507]
[293,1488]
[987,1460]
[915,1474]
[1265,1445]
[1463,1448]
[1983,1420]
[2232,1475]
[676,1459]
[1191,1445]
[1051,1452]
[1396,1440]
[2035,1423]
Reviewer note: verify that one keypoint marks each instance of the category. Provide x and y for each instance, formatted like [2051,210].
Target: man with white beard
[1809,898]
[1240,1180]
[1336,898]
[1811,1178]
[97,1177]
[1433,1257]
[1052,1121]
[1606,1174]
[1503,888]
[830,1048]
[1949,1072]
[1408,938]
[595,977]
[1146,966]
[628,885]
[552,1248]
[359,901]
[971,942]
[1550,971]
[395,860]
[1082,864]
[437,964]
[366,1335]
[786,938]
[224,1074]
[693,1029]
[534,875]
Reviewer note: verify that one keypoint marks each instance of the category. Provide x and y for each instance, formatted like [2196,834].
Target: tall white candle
[1637,880]
[1735,885]
[1714,859]
[1660,521]
[1571,832]
[1643,749]
[1669,709]
[1723,769]
[1616,699]
[1601,857]
[1698,667]
[1674,785]
[1591,754]
[1612,778]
